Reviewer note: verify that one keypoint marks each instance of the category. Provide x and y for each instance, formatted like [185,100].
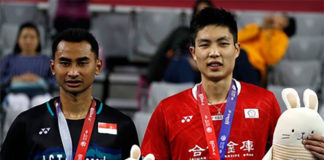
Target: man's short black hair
[290,30]
[213,16]
[76,35]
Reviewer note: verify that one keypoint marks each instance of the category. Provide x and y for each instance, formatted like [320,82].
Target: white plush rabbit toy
[294,125]
[135,154]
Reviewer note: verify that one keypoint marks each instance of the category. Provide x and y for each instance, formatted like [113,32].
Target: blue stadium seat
[115,33]
[18,12]
[160,90]
[289,73]
[245,17]
[309,24]
[305,48]
[8,34]
[141,120]
[152,27]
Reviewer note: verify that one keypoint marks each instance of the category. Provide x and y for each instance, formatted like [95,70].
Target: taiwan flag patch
[107,128]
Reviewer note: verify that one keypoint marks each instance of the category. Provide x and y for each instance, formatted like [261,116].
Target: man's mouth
[214,65]
[73,83]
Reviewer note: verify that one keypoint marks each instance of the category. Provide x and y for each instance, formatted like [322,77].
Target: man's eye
[82,63]
[224,44]
[65,63]
[203,45]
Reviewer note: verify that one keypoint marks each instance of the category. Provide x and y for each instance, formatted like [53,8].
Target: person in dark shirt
[73,125]
[172,61]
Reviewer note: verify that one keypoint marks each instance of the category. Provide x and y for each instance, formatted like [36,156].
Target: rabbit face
[296,124]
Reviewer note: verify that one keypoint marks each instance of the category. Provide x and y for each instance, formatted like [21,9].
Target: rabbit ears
[291,98]
[135,154]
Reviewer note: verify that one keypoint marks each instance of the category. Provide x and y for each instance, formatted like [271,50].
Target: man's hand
[315,144]
[26,77]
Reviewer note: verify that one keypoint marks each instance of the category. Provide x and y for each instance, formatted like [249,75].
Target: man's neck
[216,91]
[75,106]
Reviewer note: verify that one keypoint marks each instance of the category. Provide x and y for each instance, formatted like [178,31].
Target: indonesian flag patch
[107,128]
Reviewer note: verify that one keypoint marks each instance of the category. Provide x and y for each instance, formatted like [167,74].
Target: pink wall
[270,5]
[277,5]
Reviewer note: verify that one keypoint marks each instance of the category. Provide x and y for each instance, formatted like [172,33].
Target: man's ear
[99,66]
[237,49]
[193,53]
[52,65]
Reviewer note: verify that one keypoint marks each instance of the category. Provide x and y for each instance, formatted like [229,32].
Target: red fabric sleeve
[276,114]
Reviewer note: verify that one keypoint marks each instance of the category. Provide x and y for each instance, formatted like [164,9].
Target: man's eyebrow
[83,59]
[64,59]
[203,40]
[223,38]
[226,38]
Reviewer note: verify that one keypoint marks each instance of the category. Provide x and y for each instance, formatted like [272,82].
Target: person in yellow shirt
[266,44]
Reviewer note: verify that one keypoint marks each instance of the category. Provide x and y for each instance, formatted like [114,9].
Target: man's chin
[73,91]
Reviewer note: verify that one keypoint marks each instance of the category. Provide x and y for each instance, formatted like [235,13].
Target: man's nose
[214,52]
[73,72]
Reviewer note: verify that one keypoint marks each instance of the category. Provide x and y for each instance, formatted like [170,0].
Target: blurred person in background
[172,61]
[72,14]
[25,74]
[263,46]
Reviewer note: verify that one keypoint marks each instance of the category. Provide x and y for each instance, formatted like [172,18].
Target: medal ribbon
[85,133]
[217,151]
